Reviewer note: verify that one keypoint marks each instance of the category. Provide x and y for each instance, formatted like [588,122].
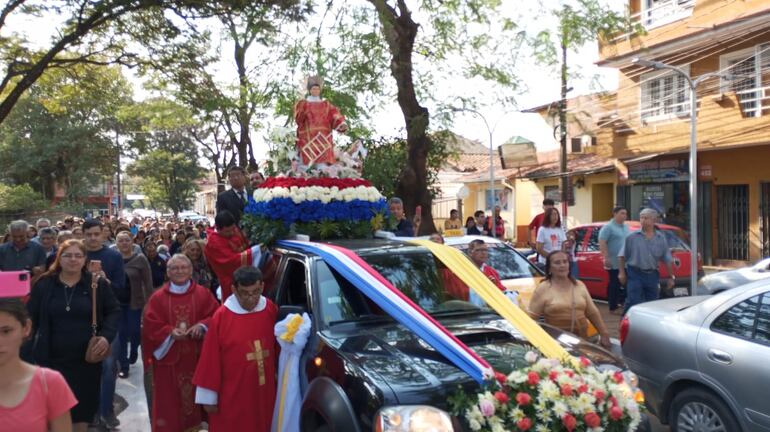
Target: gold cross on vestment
[259,355]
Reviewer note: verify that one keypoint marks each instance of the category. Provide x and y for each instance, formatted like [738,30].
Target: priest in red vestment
[175,320]
[236,376]
[227,249]
[316,118]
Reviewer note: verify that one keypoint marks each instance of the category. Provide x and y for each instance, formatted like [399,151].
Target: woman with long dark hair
[550,235]
[564,302]
[60,306]
[33,399]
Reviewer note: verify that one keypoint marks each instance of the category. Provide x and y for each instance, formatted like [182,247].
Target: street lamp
[491,157]
[693,83]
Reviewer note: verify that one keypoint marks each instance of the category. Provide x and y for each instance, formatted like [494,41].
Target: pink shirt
[48,397]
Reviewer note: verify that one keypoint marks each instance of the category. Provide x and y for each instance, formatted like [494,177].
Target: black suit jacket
[230,201]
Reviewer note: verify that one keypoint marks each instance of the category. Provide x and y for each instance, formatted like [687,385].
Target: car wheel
[699,410]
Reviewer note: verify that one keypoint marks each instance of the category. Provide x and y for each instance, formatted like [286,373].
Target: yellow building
[644,131]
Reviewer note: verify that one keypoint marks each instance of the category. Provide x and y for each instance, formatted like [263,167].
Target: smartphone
[418,210]
[14,283]
[95,266]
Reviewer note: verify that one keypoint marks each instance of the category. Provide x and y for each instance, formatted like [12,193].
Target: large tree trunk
[400,32]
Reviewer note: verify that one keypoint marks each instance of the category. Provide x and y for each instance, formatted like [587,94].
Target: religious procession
[297,216]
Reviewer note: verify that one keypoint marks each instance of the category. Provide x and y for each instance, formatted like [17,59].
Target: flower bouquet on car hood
[549,396]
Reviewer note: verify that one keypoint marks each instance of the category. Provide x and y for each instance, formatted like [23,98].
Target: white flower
[474,425]
[517,377]
[559,409]
[542,428]
[516,414]
[530,357]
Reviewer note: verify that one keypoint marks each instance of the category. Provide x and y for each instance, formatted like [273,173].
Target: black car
[359,360]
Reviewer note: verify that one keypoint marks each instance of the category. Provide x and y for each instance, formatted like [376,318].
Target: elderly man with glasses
[175,320]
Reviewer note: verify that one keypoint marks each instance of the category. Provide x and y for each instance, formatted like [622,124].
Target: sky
[541,84]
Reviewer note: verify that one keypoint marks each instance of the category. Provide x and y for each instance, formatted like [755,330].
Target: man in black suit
[235,198]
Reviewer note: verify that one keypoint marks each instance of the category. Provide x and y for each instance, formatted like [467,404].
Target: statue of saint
[316,119]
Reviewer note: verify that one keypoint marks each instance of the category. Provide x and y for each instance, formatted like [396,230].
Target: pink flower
[524,424]
[616,413]
[553,375]
[584,362]
[500,377]
[599,395]
[566,390]
[569,421]
[533,378]
[487,408]
[592,420]
[618,377]
[523,398]
[582,389]
[502,397]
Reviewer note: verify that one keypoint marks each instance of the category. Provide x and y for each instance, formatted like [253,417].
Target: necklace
[68,298]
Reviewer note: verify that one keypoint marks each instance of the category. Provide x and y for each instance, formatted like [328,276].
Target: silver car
[729,279]
[704,362]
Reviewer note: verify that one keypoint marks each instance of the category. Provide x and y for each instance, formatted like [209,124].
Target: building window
[665,95]
[576,144]
[657,13]
[747,81]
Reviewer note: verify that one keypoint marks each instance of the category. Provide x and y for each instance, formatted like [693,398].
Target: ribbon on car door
[461,266]
[392,301]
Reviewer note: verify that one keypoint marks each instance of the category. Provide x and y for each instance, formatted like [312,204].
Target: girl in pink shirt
[32,399]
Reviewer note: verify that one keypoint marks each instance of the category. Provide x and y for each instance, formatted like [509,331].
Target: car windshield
[508,263]
[677,239]
[416,273]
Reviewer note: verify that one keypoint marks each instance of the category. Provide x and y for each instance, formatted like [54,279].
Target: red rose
[500,377]
[618,377]
[524,424]
[523,398]
[569,421]
[599,395]
[592,420]
[613,401]
[566,390]
[584,362]
[616,413]
[582,389]
[569,373]
[533,378]
[553,375]
[502,397]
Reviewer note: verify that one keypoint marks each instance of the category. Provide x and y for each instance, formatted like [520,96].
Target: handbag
[90,356]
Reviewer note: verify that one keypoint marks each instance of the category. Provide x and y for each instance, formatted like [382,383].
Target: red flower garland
[287,182]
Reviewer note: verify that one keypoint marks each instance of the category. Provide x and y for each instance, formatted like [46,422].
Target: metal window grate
[733,222]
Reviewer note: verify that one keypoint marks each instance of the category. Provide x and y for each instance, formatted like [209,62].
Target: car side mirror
[286,310]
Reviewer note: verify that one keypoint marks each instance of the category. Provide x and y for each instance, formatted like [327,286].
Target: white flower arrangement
[549,396]
[323,194]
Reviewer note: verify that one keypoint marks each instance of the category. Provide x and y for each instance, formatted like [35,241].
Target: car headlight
[412,418]
[631,381]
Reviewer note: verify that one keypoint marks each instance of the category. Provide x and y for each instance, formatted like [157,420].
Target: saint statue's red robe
[225,255]
[238,364]
[315,122]
[173,402]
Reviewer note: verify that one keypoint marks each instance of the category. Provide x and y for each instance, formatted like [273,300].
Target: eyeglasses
[179,268]
[73,256]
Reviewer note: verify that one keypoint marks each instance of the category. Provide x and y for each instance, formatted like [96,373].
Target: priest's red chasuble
[239,363]
[225,255]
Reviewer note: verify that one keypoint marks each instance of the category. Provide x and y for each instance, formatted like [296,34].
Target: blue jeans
[109,376]
[614,297]
[641,286]
[130,333]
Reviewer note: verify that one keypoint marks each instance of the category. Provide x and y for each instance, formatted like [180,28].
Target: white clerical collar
[312,98]
[179,289]
[235,307]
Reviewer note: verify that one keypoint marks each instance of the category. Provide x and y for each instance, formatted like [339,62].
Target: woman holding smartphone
[61,310]
[33,399]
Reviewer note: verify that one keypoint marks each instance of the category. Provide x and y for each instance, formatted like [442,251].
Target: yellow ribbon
[460,265]
[291,328]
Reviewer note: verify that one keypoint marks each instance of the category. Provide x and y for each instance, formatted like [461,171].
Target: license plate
[679,292]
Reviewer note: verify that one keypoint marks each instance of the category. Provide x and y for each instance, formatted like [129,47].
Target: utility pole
[564,179]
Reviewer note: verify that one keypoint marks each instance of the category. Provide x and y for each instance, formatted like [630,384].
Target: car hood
[417,374]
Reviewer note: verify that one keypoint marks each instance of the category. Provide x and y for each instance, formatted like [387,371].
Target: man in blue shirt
[20,253]
[114,273]
[638,261]
[404,227]
[611,238]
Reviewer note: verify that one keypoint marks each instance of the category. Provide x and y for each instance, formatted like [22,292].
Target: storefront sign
[659,171]
[705,171]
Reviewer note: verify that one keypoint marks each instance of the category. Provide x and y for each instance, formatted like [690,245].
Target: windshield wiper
[457,312]
[370,318]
